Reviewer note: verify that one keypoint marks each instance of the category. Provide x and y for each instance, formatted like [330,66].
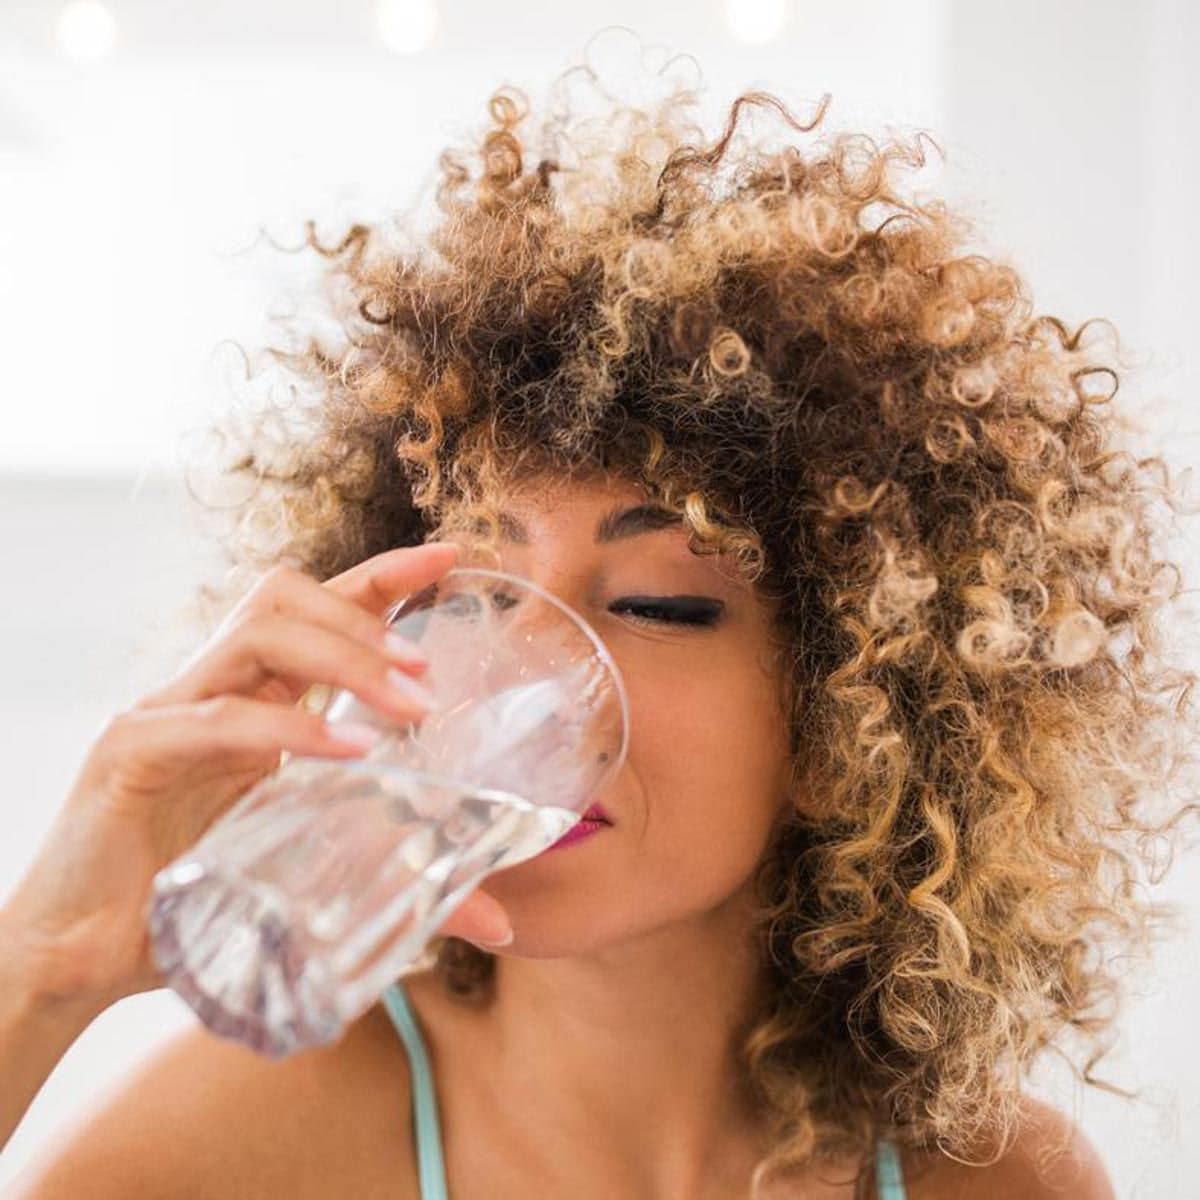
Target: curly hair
[922,474]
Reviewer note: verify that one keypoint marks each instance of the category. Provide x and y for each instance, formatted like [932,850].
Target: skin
[73,939]
[606,1064]
[607,1034]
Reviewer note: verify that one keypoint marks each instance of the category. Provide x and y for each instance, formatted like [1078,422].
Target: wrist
[36,1030]
[29,991]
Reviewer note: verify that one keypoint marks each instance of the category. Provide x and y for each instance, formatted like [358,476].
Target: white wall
[134,189]
[1069,129]
[93,571]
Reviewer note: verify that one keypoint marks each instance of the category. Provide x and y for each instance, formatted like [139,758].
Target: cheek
[710,757]
[695,803]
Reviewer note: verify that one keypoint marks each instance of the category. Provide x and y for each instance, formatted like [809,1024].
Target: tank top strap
[428,1135]
[889,1174]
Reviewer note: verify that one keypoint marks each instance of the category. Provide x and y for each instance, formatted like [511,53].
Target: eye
[671,610]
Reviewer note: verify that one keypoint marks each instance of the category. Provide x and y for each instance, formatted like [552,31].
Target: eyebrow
[613,527]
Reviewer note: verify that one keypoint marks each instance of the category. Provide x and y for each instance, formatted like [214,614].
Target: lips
[589,824]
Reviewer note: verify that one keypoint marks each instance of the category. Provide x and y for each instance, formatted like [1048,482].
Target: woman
[850,519]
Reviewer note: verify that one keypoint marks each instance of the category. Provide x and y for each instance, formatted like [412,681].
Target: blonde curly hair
[921,473]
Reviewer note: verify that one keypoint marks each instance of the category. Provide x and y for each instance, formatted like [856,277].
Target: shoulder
[1050,1159]
[203,1115]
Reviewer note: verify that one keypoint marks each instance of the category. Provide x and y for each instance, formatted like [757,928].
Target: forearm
[35,1032]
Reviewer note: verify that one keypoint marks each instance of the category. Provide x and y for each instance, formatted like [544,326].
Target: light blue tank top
[889,1179]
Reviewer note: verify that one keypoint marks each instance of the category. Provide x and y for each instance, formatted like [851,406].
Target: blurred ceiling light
[756,20]
[85,30]
[407,26]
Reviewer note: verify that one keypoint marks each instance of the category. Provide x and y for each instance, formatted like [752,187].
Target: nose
[557,573]
[542,651]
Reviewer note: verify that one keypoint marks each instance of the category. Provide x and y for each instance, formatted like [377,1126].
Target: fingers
[349,606]
[140,743]
[288,592]
[263,648]
[479,918]
[378,582]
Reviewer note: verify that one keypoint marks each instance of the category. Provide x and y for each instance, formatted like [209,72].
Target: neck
[631,1054]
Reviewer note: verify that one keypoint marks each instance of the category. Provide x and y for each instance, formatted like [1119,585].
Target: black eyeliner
[682,610]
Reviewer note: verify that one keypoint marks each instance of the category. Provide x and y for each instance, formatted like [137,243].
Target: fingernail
[401,648]
[361,737]
[410,689]
[504,940]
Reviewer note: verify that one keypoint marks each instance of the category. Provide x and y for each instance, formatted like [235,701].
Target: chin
[558,923]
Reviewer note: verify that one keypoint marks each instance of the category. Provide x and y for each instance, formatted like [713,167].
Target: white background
[131,187]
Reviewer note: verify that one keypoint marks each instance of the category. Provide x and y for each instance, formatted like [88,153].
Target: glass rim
[602,651]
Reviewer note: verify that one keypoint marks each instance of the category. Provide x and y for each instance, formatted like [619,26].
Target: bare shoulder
[204,1116]
[1051,1159]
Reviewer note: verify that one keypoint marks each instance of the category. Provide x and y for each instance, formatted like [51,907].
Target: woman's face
[706,768]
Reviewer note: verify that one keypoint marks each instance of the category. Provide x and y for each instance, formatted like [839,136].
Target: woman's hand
[164,770]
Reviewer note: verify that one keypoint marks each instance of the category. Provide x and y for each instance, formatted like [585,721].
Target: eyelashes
[657,610]
[676,610]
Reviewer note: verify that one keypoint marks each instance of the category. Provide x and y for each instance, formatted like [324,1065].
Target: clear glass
[302,903]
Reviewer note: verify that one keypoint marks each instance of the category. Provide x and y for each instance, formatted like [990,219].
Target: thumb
[479,918]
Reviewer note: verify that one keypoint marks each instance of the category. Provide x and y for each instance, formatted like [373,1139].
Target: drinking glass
[306,899]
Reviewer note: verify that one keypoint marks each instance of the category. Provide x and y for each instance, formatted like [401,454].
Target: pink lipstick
[593,821]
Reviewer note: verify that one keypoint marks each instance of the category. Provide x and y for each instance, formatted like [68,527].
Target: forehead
[614,516]
[605,511]
[550,493]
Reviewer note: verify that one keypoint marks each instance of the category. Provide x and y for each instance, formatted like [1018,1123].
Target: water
[286,923]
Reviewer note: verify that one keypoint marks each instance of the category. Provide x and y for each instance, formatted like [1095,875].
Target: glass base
[215,935]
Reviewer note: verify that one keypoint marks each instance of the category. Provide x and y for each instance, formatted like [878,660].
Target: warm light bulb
[756,20]
[407,26]
[85,30]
